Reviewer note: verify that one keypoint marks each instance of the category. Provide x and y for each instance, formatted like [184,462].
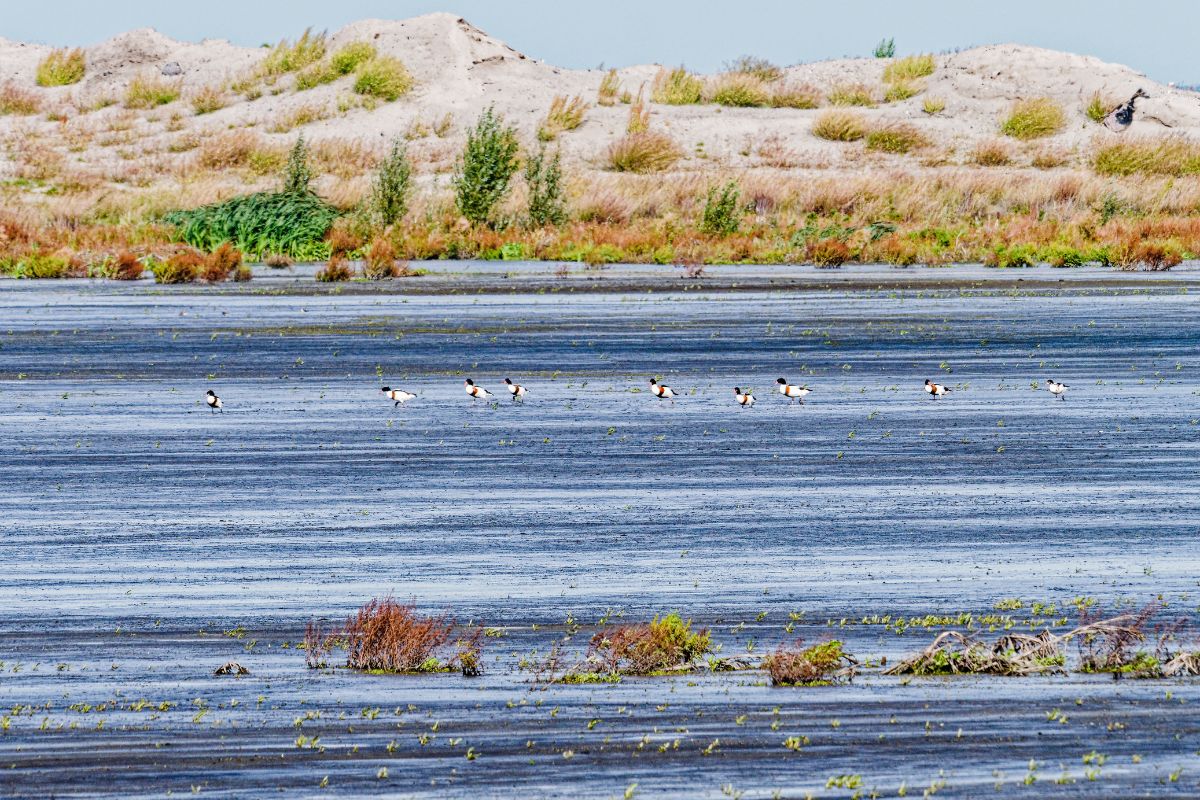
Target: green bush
[347,58]
[392,184]
[721,210]
[61,68]
[287,223]
[488,163]
[384,77]
[886,48]
[543,176]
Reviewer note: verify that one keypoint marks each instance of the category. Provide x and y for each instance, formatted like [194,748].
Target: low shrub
[1011,255]
[827,253]
[336,270]
[898,137]
[610,86]
[149,91]
[991,154]
[1033,119]
[722,214]
[221,264]
[820,664]
[127,266]
[740,90]
[61,67]
[909,68]
[379,262]
[15,100]
[676,87]
[1150,254]
[898,251]
[566,114]
[387,636]
[42,266]
[643,152]
[840,126]
[183,266]
[666,643]
[384,77]
[1170,155]
[1062,255]
[851,94]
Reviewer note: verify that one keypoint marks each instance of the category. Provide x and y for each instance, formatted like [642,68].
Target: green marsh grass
[909,68]
[289,223]
[1169,155]
[1034,119]
[383,77]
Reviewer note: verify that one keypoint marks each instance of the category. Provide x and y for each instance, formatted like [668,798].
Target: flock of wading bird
[661,391]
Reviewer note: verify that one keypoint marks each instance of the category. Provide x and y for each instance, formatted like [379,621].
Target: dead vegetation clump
[223,263]
[664,644]
[1116,645]
[387,636]
[228,150]
[335,270]
[954,653]
[821,664]
[379,262]
[15,100]
[127,266]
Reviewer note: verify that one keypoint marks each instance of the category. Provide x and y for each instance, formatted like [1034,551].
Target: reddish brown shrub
[127,267]
[221,263]
[380,260]
[335,271]
[392,637]
[644,648]
[827,253]
[342,240]
[818,665]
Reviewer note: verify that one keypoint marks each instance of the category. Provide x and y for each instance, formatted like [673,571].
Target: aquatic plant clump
[288,223]
[820,664]
[665,643]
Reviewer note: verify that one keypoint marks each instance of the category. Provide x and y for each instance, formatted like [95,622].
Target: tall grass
[676,87]
[909,68]
[643,152]
[1033,119]
[290,223]
[61,67]
[840,126]
[149,91]
[349,56]
[1171,155]
[565,114]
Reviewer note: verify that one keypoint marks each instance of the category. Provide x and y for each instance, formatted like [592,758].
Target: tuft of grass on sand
[348,57]
[851,94]
[293,56]
[383,77]
[1098,107]
[1033,119]
[798,95]
[900,90]
[565,114]
[909,68]
[150,91]
[897,137]
[208,99]
[933,106]
[643,152]
[61,67]
[991,154]
[676,87]
[740,90]
[840,126]
[1170,155]
[760,68]
[639,116]
[610,87]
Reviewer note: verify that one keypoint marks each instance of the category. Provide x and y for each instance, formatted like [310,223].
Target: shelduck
[793,392]
[935,390]
[399,395]
[214,402]
[1057,389]
[745,400]
[476,392]
[515,389]
[662,392]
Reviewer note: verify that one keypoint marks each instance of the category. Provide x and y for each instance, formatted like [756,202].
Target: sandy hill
[83,131]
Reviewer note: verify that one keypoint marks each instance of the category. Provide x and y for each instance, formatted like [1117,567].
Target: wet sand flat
[148,541]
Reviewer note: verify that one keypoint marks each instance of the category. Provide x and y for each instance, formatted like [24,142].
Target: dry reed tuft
[610,86]
[1170,155]
[335,270]
[208,99]
[379,262]
[897,137]
[840,126]
[221,264]
[15,100]
[182,266]
[795,95]
[643,152]
[759,68]
[228,150]
[991,154]
[127,266]
[639,115]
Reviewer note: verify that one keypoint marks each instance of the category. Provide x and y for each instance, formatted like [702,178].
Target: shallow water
[133,519]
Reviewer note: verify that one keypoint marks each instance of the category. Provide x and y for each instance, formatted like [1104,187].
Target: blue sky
[1154,36]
